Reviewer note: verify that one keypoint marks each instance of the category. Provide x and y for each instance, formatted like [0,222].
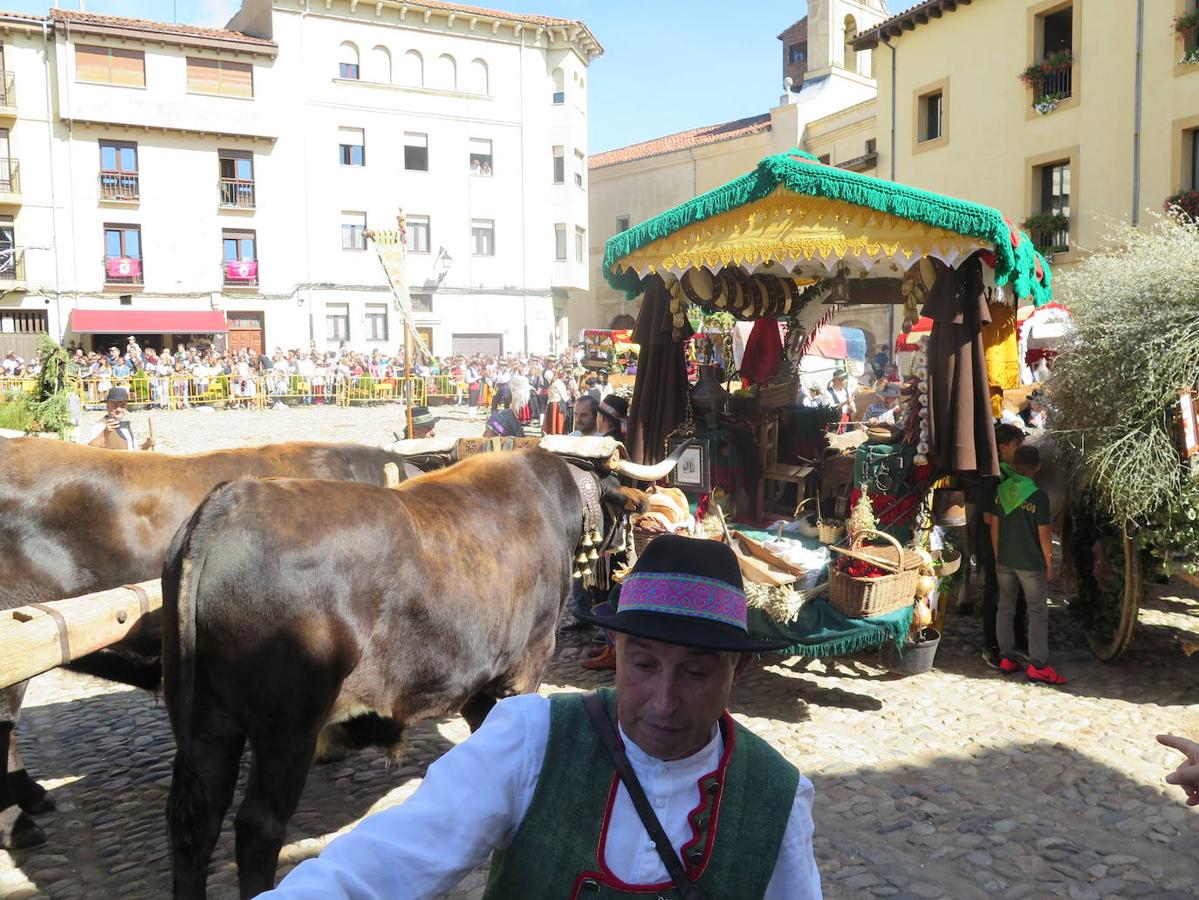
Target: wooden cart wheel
[1109,588]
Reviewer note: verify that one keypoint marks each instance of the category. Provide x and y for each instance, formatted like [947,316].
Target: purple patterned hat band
[683,595]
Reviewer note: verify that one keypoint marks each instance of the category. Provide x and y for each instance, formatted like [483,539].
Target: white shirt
[474,798]
[100,427]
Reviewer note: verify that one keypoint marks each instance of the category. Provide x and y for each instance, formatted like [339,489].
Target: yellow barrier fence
[363,389]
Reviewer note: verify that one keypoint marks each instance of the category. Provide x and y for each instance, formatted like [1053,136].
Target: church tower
[818,44]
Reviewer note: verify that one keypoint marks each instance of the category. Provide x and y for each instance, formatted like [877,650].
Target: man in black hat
[114,431]
[424,423]
[567,799]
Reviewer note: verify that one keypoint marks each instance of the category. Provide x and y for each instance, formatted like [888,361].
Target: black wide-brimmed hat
[422,416]
[685,591]
[118,394]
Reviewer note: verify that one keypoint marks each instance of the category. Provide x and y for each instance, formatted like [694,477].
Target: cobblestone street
[956,784]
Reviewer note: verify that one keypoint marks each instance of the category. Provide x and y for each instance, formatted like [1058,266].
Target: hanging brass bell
[581,559]
[587,543]
[592,554]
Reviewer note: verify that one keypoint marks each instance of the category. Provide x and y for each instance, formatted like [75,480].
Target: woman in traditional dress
[558,405]
[521,392]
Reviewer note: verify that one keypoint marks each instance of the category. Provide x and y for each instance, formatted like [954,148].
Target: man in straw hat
[114,431]
[548,785]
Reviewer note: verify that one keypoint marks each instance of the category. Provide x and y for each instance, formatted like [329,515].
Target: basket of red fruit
[870,580]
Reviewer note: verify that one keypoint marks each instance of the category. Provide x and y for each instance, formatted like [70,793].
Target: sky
[668,65]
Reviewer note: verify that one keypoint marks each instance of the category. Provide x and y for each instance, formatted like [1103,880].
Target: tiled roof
[71,16]
[919,14]
[494,13]
[683,140]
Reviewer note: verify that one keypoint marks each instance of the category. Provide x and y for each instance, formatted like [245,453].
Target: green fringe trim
[1017,266]
[862,639]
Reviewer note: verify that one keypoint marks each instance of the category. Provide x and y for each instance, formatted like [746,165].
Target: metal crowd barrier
[168,392]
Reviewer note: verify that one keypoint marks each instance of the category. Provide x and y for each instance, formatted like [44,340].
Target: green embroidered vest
[555,853]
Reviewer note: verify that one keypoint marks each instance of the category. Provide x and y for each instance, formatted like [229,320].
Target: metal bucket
[916,659]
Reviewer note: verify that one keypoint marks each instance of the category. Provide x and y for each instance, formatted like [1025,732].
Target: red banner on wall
[241,270]
[123,267]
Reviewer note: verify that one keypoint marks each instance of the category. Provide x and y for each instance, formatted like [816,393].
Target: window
[122,254]
[337,321]
[240,257]
[580,167]
[412,72]
[622,224]
[931,116]
[1057,31]
[1193,168]
[347,61]
[446,73]
[849,58]
[118,170]
[480,157]
[12,258]
[422,303]
[560,241]
[871,146]
[353,146]
[416,152]
[479,78]
[797,54]
[1052,235]
[580,244]
[376,322]
[1055,37]
[217,76]
[236,168]
[353,230]
[108,65]
[379,69]
[418,234]
[559,165]
[559,87]
[482,232]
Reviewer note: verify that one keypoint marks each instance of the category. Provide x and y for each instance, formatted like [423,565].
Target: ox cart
[789,247]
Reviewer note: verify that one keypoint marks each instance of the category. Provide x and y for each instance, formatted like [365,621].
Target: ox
[432,598]
[77,519]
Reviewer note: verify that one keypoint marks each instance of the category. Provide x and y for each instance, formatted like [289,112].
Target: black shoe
[991,658]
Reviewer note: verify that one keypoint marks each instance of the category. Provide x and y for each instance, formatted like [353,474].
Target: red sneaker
[1008,666]
[1046,675]
[604,661]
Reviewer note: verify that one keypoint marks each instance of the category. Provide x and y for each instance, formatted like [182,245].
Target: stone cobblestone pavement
[957,784]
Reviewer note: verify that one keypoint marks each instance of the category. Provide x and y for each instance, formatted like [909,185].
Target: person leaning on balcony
[114,431]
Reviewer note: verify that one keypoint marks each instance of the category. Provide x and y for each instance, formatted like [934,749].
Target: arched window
[447,73]
[347,61]
[379,69]
[413,73]
[850,60]
[559,86]
[480,77]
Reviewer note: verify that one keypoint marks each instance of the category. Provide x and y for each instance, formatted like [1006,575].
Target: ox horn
[657,471]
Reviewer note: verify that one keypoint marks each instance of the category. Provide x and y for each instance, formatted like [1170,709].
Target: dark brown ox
[77,519]
[425,600]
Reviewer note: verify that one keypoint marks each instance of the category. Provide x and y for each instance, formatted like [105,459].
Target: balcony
[119,187]
[236,193]
[123,270]
[1050,232]
[8,95]
[1051,81]
[12,266]
[240,273]
[10,180]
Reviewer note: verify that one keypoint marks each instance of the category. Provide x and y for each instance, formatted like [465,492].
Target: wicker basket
[828,531]
[860,598]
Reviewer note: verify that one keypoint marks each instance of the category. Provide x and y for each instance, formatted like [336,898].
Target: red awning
[136,321]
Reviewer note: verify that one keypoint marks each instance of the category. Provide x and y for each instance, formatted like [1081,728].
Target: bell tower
[830,25]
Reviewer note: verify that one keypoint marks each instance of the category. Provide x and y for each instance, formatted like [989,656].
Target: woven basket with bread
[668,512]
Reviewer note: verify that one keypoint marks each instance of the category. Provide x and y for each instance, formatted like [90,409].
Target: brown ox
[77,519]
[404,604]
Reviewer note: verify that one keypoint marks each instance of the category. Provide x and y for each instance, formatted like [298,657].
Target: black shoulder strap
[607,735]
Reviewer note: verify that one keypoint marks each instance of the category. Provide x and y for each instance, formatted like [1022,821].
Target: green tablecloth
[821,631]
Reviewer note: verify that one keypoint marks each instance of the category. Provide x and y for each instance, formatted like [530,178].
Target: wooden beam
[935,12]
[909,25]
[32,643]
[921,18]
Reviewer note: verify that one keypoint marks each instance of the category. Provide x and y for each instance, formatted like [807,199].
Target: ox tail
[187,805]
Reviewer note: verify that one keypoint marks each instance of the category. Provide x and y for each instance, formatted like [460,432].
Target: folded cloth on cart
[799,550]
[821,631]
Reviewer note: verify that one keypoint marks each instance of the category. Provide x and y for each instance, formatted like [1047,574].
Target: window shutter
[237,79]
[128,67]
[91,64]
[203,75]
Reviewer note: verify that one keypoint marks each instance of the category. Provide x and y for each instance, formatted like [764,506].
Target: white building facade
[235,172]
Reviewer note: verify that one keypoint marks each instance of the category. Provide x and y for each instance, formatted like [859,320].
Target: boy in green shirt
[1021,537]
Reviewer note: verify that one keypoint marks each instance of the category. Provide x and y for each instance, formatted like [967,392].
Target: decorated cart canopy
[806,221]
